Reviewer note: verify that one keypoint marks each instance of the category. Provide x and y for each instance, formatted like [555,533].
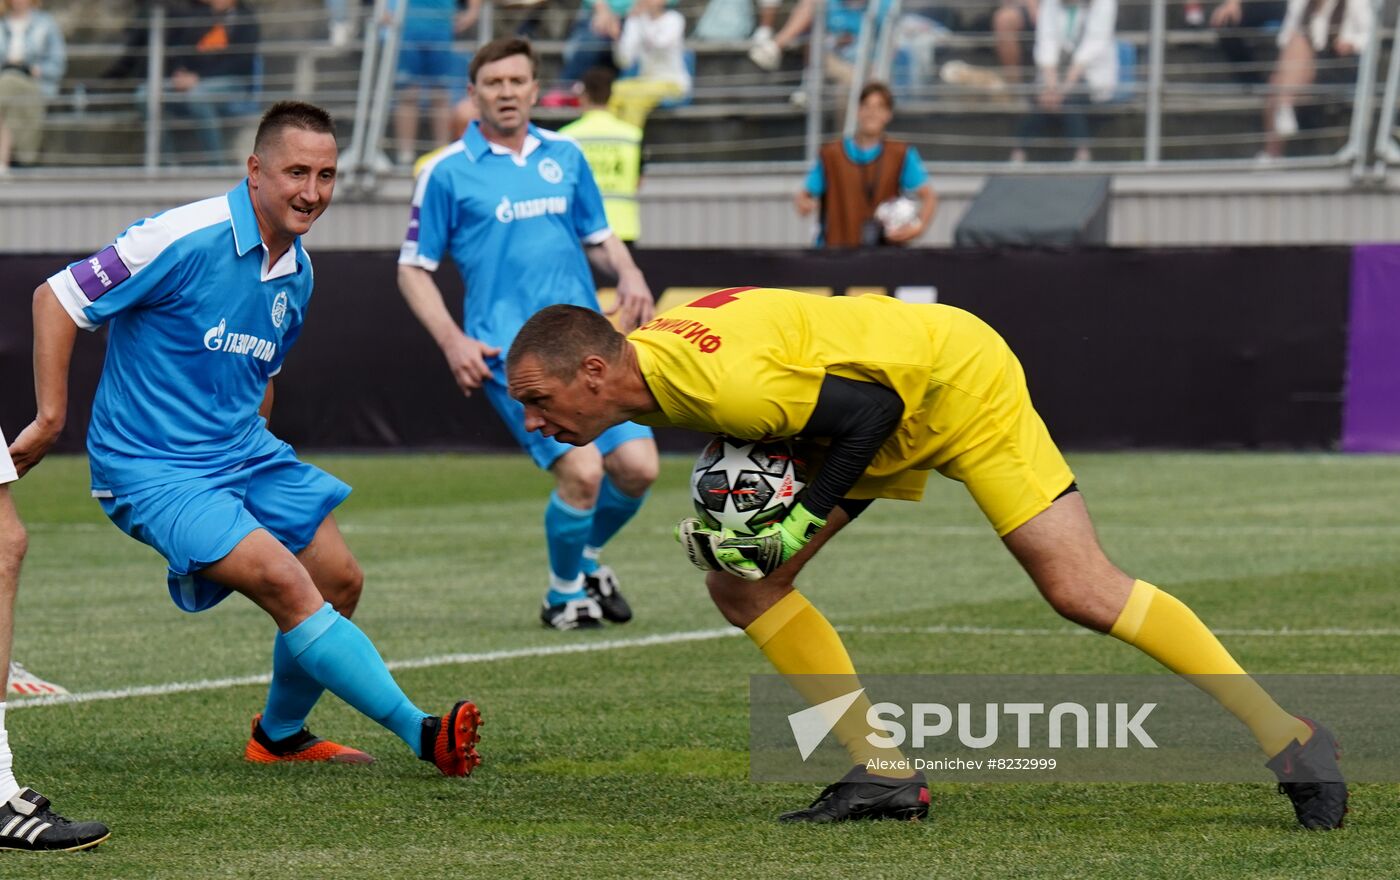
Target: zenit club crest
[550,171]
[279,308]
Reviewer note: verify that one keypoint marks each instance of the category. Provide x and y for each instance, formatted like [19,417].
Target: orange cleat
[449,742]
[300,746]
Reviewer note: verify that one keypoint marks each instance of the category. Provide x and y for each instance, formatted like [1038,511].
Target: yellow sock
[801,643]
[1163,628]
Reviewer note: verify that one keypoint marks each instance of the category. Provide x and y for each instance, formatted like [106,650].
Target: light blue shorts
[546,450]
[196,522]
[430,63]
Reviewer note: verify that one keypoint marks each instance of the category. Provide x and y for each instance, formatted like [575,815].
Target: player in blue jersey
[518,211]
[202,303]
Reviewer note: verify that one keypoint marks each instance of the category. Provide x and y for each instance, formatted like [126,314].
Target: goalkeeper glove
[701,546]
[751,557]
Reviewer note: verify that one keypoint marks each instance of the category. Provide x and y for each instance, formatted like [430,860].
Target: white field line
[699,635]
[1285,632]
[216,684]
[479,528]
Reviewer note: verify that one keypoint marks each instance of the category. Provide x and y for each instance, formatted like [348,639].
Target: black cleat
[573,614]
[860,795]
[601,587]
[1309,775]
[27,824]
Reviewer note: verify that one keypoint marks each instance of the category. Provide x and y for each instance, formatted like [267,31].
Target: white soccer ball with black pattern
[745,486]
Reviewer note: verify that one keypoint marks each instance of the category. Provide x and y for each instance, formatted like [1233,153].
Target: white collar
[531,144]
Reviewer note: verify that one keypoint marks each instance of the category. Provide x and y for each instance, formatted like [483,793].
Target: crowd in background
[1062,62]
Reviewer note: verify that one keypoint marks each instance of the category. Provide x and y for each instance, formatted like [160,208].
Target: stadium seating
[740,113]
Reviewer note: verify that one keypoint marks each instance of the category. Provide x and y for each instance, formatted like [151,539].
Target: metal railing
[1183,105]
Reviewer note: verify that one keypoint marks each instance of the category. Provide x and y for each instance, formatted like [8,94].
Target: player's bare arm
[54,337]
[635,304]
[466,357]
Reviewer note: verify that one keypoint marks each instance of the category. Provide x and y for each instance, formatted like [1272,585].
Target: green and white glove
[701,545]
[751,557]
[756,556]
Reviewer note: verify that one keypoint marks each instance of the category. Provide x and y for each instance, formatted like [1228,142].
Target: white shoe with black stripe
[27,824]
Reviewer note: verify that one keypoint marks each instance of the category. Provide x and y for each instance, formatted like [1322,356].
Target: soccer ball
[897,213]
[745,486]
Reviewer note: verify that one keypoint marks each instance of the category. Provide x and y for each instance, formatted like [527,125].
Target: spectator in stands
[589,44]
[1239,22]
[613,149]
[338,22]
[914,38]
[212,69]
[854,177]
[1319,39]
[426,68]
[843,20]
[1012,24]
[463,112]
[653,40]
[1076,57]
[725,21]
[32,61]
[136,40]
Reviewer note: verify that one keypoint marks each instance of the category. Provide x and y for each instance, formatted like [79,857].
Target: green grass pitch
[631,762]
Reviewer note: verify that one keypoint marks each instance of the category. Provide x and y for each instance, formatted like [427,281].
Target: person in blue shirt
[518,210]
[202,303]
[425,68]
[853,178]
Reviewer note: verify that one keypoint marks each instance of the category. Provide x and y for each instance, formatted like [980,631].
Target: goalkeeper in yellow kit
[895,390]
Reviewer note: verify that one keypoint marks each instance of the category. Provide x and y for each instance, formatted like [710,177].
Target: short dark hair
[503,48]
[291,114]
[597,85]
[875,87]
[561,336]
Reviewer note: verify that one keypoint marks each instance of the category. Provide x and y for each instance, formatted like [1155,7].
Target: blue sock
[566,530]
[613,512]
[334,652]
[291,696]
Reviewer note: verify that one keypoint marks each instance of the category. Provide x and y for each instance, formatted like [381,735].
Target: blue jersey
[426,20]
[198,324]
[513,223]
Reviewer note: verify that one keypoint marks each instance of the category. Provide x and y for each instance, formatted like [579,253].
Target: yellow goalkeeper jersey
[749,362]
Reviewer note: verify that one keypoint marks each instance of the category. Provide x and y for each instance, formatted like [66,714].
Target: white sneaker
[1285,121]
[340,34]
[762,34]
[26,683]
[766,55]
